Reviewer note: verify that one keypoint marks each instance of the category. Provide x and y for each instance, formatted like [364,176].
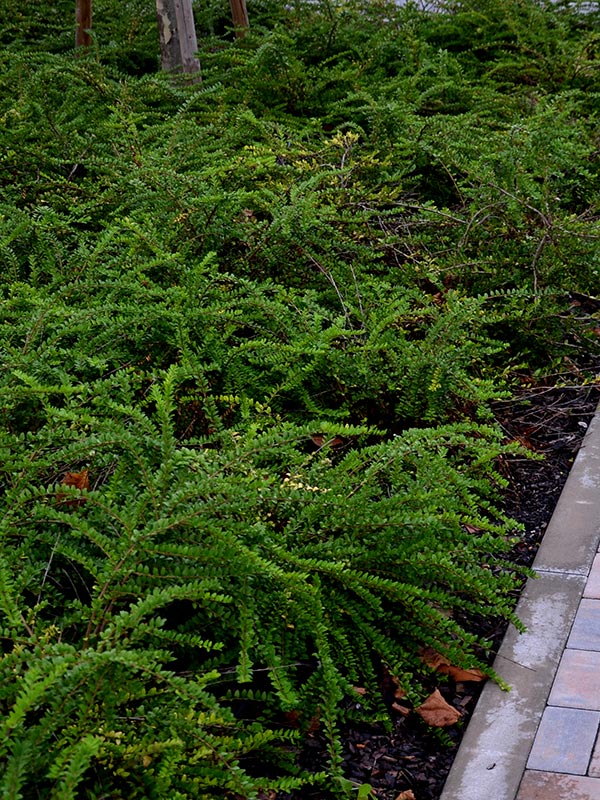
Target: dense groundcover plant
[250,330]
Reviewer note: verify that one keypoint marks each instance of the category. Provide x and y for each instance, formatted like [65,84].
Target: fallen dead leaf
[399,694]
[437,712]
[79,480]
[472,529]
[463,675]
[432,658]
[315,723]
[292,718]
[407,795]
[321,440]
[401,709]
[441,664]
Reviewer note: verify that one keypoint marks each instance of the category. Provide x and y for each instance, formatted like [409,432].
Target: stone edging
[493,753]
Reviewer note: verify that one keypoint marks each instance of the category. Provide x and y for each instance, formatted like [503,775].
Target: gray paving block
[594,768]
[553,786]
[592,587]
[577,683]
[499,737]
[571,539]
[585,633]
[564,741]
[491,760]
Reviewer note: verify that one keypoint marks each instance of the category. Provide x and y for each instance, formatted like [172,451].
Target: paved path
[565,758]
[541,740]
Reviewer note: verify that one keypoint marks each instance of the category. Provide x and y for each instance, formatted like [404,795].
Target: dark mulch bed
[549,421]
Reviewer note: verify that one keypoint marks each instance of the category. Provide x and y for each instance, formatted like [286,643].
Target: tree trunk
[83,23]
[177,33]
[239,14]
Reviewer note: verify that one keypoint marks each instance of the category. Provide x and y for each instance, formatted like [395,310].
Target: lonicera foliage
[250,332]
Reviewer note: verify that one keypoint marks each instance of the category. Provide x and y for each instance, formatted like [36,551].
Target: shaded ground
[412,758]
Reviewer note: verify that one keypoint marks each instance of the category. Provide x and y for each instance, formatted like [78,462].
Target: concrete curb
[493,754]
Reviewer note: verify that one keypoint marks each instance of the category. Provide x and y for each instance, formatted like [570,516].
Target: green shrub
[264,317]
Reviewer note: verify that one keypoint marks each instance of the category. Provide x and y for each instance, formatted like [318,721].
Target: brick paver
[592,587]
[594,769]
[585,633]
[565,740]
[542,742]
[577,682]
[553,786]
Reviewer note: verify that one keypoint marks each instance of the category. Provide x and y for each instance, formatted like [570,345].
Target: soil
[412,757]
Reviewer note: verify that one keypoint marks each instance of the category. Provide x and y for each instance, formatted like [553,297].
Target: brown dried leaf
[472,529]
[462,675]
[79,480]
[399,694]
[437,712]
[441,664]
[407,795]
[432,658]
[321,440]
[292,718]
[315,723]
[401,709]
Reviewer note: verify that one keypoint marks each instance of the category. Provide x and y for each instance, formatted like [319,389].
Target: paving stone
[585,633]
[594,769]
[577,682]
[491,761]
[592,588]
[571,539]
[564,741]
[554,786]
[494,750]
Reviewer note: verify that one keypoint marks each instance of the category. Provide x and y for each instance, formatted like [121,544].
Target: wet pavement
[540,740]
